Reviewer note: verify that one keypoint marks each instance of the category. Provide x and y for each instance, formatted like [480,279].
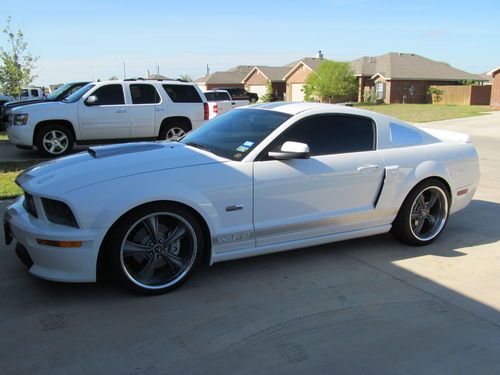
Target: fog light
[66,244]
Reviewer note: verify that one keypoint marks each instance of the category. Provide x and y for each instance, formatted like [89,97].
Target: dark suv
[240,94]
[57,95]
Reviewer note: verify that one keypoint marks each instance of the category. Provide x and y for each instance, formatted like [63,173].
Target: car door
[107,116]
[145,101]
[333,191]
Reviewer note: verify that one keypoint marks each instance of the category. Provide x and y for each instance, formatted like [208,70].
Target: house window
[380,90]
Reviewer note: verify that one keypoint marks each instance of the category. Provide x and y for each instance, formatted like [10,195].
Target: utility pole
[208,70]
[124,75]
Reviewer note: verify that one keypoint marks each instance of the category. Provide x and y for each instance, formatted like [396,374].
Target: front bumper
[49,262]
[21,135]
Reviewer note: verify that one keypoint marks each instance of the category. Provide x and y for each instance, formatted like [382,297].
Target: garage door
[297,93]
[258,89]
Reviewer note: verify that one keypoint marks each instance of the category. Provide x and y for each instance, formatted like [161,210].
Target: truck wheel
[173,132]
[54,140]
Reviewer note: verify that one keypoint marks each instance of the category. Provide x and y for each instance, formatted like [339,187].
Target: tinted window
[182,93]
[78,93]
[34,93]
[217,96]
[144,94]
[24,93]
[402,135]
[235,133]
[332,134]
[109,95]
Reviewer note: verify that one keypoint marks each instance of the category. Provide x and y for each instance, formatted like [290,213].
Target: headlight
[58,212]
[20,119]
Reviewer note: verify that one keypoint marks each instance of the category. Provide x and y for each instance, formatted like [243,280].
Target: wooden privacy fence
[463,94]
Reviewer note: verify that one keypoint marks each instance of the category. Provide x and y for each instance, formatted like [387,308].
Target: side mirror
[291,150]
[91,100]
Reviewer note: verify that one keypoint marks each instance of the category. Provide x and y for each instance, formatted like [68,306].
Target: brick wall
[299,76]
[212,86]
[495,91]
[399,88]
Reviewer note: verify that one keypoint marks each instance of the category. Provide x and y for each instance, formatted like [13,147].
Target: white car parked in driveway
[220,102]
[110,111]
[256,180]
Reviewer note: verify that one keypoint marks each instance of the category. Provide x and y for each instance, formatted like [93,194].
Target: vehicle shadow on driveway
[370,305]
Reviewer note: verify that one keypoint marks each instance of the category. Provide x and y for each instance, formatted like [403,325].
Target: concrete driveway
[368,306]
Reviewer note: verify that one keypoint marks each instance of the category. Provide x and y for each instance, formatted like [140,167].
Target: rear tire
[173,131]
[423,214]
[155,248]
[54,140]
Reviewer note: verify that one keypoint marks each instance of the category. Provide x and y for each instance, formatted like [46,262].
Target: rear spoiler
[446,135]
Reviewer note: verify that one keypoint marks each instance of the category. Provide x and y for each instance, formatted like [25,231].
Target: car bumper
[49,262]
[20,135]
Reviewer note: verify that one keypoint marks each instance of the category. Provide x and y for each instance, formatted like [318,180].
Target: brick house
[405,77]
[495,88]
[230,78]
[297,75]
[257,79]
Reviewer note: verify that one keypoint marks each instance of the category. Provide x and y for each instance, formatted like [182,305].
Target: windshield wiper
[197,145]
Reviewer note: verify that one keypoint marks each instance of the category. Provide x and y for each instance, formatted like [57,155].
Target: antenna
[124,74]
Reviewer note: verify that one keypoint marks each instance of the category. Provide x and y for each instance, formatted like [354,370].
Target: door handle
[121,111]
[368,168]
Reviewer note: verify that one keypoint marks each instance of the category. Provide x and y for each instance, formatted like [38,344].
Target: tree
[333,82]
[268,95]
[17,63]
[186,77]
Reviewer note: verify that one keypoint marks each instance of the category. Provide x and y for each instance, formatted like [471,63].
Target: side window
[24,93]
[404,136]
[109,95]
[144,94]
[328,135]
[34,93]
[182,93]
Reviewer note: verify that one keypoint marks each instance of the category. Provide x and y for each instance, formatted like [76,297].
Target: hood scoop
[128,148]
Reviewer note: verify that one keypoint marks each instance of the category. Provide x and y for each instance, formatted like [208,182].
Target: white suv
[110,111]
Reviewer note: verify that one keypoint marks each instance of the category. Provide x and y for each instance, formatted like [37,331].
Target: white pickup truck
[220,101]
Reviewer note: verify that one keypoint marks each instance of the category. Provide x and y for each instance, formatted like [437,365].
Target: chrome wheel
[175,133]
[158,250]
[429,213]
[55,142]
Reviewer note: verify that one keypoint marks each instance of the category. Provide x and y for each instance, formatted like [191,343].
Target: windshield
[235,133]
[55,94]
[78,94]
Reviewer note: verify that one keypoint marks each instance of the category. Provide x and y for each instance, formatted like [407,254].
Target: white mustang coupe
[256,180]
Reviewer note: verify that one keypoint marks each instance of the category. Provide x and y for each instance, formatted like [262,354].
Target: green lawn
[8,174]
[426,112]
[3,136]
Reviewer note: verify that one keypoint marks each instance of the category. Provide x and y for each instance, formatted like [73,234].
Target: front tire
[423,214]
[54,140]
[155,248]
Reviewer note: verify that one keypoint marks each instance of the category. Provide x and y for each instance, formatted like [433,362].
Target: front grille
[29,205]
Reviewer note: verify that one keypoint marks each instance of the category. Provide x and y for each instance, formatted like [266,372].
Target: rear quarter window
[402,135]
[182,93]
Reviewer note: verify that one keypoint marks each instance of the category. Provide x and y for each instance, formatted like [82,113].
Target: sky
[90,40]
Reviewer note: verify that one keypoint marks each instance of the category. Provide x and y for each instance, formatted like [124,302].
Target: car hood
[25,102]
[45,105]
[98,164]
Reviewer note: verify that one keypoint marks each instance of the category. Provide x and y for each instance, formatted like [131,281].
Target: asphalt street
[367,306]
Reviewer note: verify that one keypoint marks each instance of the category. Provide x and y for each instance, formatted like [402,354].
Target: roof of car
[294,108]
